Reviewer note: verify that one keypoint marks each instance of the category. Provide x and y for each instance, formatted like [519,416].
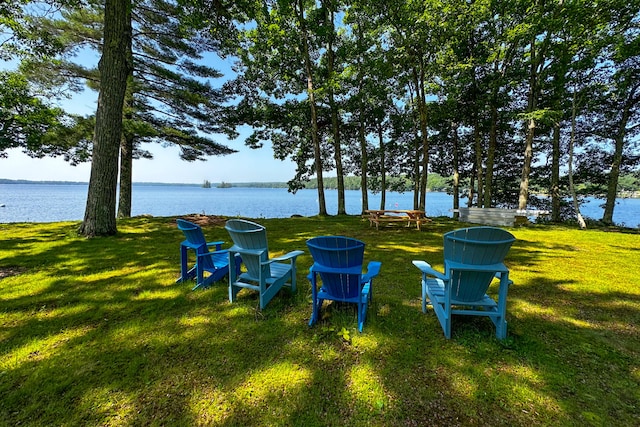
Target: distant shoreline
[621,195]
[177,184]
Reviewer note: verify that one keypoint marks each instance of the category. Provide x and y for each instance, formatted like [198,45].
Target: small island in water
[224,185]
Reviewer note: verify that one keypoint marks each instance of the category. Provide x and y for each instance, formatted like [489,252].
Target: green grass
[97,332]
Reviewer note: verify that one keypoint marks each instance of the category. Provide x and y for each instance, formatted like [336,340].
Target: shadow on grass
[97,332]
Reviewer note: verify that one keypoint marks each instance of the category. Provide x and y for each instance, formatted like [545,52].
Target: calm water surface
[58,202]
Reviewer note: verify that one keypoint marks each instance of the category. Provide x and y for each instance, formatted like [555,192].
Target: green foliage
[25,119]
[98,332]
[397,89]
[169,99]
[20,36]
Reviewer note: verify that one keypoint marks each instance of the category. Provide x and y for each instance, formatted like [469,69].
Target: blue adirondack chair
[473,257]
[215,263]
[265,275]
[338,261]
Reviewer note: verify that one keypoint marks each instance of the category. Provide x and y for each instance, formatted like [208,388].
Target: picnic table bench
[386,216]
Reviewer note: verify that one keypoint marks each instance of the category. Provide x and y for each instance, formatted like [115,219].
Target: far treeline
[629,185]
[508,98]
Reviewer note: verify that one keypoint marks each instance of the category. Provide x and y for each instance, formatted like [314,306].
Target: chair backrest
[192,232]
[249,236]
[475,246]
[339,253]
[194,235]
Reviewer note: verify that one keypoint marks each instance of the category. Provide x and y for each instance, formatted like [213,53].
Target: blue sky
[246,165]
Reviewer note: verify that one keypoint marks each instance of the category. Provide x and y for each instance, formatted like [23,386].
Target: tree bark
[555,174]
[335,123]
[477,143]
[383,169]
[616,164]
[322,205]
[100,212]
[422,105]
[572,189]
[491,156]
[363,163]
[126,173]
[456,171]
[523,197]
[421,161]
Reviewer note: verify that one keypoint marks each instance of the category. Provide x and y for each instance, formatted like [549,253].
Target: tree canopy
[511,99]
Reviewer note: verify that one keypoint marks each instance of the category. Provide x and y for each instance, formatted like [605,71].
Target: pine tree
[169,98]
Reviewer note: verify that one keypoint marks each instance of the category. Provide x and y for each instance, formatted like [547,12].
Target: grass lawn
[97,332]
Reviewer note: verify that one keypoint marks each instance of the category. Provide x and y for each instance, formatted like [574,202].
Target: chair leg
[293,276]
[315,313]
[447,322]
[232,293]
[362,314]
[199,278]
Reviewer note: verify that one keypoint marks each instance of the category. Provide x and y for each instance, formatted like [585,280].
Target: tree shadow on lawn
[547,371]
[130,358]
[135,348]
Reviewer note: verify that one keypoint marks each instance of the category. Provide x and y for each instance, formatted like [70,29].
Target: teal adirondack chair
[473,257]
[338,261]
[215,264]
[265,275]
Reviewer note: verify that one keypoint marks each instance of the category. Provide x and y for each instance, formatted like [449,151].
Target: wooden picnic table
[377,216]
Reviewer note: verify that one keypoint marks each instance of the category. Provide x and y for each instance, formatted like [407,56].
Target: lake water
[66,202]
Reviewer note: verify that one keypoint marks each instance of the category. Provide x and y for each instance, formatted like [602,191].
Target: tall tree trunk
[616,164]
[456,171]
[555,174]
[477,142]
[335,124]
[472,192]
[416,174]
[363,162]
[126,153]
[383,169]
[364,187]
[126,173]
[421,163]
[315,137]
[416,148]
[572,189]
[114,66]
[491,156]
[424,135]
[614,177]
[523,197]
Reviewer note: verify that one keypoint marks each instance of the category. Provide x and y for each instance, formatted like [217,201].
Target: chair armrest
[499,274]
[489,268]
[428,270]
[373,269]
[223,251]
[218,244]
[292,254]
[252,252]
